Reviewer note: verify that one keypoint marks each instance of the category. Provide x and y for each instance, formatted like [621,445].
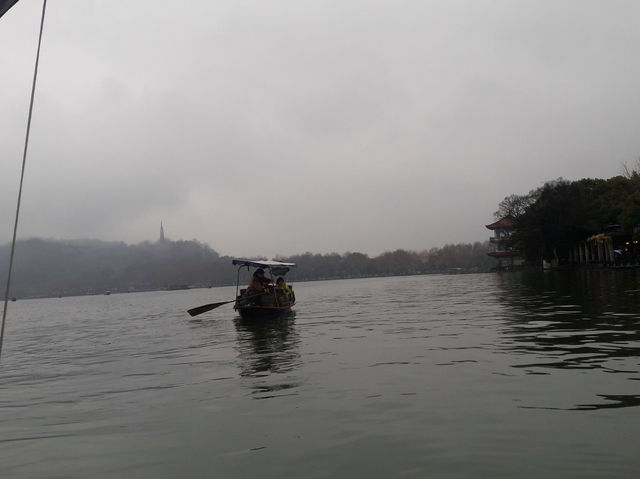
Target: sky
[286,126]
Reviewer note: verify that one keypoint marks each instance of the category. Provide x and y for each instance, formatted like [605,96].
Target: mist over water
[513,375]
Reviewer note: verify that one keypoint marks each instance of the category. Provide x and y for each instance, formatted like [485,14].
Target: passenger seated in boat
[282,284]
[258,284]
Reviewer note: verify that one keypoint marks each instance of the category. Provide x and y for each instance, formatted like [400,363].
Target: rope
[24,162]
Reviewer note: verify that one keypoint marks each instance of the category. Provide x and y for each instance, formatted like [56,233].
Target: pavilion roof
[508,222]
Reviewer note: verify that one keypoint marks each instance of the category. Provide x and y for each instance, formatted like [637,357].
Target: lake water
[462,376]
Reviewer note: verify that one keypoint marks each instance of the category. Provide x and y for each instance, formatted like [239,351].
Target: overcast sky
[264,127]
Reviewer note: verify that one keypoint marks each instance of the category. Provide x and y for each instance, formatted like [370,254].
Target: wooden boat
[274,301]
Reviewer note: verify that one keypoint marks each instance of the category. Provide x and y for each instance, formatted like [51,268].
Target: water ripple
[443,376]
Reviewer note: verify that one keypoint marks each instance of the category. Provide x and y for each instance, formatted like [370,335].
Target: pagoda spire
[161,232]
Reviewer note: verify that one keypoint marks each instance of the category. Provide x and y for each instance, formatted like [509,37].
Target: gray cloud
[282,127]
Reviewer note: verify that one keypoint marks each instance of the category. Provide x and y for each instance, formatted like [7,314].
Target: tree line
[451,258]
[47,267]
[552,219]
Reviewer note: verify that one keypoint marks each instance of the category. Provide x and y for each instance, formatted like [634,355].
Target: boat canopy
[277,268]
[267,264]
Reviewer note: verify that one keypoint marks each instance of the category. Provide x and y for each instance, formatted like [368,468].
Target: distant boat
[107,293]
[274,301]
[13,298]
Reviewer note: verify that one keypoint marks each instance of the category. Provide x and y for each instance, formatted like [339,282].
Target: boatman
[258,284]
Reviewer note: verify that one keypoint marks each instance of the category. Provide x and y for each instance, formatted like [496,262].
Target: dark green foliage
[564,213]
[630,214]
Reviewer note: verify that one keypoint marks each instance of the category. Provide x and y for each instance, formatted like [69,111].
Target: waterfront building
[503,250]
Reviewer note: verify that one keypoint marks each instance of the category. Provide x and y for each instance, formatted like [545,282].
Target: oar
[208,307]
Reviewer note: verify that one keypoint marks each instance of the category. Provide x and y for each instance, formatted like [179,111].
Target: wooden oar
[208,307]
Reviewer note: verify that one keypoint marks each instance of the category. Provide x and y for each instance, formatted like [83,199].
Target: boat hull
[254,312]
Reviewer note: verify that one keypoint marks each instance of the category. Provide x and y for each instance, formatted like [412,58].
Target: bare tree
[514,205]
[633,171]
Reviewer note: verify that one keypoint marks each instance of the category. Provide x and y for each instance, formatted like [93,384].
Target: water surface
[513,375]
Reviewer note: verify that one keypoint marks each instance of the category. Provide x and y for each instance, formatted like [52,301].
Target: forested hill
[45,267]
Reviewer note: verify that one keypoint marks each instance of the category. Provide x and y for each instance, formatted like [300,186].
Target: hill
[48,267]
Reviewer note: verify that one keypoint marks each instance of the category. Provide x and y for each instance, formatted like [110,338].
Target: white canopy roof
[262,263]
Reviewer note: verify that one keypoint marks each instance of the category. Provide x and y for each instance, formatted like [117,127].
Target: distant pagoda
[161,233]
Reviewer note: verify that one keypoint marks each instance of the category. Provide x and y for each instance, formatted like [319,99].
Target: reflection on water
[617,401]
[268,347]
[574,320]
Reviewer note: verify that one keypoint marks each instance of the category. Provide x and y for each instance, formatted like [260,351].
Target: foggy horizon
[169,238]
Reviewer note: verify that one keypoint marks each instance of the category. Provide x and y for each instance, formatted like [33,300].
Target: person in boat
[258,285]
[282,284]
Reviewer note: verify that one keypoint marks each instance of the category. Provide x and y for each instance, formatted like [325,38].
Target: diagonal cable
[24,162]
